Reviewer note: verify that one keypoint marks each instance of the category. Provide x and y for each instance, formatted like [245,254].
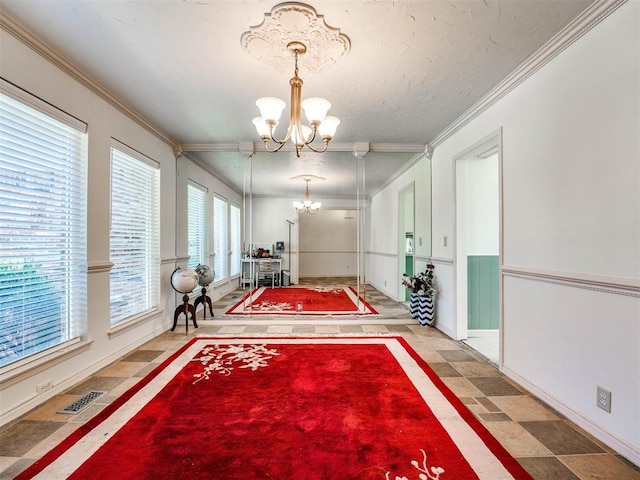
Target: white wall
[482,228]
[571,223]
[383,235]
[101,344]
[268,224]
[329,243]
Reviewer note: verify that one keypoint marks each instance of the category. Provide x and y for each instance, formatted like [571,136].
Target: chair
[267,269]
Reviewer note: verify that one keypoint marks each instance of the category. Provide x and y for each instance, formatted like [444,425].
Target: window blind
[134,238]
[220,239]
[197,225]
[43,255]
[234,226]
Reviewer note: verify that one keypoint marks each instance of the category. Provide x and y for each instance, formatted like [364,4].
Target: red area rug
[318,301]
[319,408]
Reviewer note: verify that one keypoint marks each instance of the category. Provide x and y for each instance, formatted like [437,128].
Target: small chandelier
[307,206]
[315,110]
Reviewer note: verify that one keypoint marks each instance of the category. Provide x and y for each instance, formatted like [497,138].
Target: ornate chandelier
[307,206]
[315,110]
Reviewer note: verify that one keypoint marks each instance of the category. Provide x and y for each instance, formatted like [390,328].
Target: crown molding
[337,147]
[594,14]
[415,159]
[211,171]
[16,27]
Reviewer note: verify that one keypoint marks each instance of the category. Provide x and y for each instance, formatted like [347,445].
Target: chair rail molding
[599,283]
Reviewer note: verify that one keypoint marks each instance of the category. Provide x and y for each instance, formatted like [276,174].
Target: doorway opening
[406,229]
[478,249]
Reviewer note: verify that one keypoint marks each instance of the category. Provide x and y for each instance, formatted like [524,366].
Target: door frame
[402,220]
[488,143]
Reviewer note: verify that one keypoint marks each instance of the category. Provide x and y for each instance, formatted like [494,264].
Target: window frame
[203,257]
[50,152]
[152,263]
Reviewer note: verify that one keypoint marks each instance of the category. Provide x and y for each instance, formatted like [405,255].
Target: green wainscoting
[408,269]
[482,292]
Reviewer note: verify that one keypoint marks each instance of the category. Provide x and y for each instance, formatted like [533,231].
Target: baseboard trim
[478,333]
[621,446]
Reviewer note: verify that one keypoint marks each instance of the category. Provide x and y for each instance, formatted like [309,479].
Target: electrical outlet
[604,399]
[445,241]
[44,386]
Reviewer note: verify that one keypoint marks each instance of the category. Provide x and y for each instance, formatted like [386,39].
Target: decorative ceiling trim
[289,22]
[415,159]
[337,147]
[588,19]
[25,34]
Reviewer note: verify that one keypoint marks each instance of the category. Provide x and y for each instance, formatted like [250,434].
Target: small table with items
[256,269]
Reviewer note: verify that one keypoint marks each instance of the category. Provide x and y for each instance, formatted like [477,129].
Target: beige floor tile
[375,329]
[118,390]
[475,369]
[163,344]
[52,440]
[599,467]
[440,343]
[517,440]
[328,329]
[280,329]
[523,408]
[48,411]
[462,387]
[231,329]
[6,462]
[477,409]
[121,369]
[430,356]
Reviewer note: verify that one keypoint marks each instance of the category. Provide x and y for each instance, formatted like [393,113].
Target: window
[235,240]
[135,233]
[220,239]
[197,225]
[43,257]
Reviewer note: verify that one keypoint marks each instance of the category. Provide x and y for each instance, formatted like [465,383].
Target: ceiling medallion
[289,22]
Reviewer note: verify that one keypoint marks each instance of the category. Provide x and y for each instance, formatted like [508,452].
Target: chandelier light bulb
[306,133]
[261,126]
[316,109]
[328,127]
[270,108]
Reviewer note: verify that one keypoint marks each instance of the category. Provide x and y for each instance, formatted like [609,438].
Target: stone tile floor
[545,443]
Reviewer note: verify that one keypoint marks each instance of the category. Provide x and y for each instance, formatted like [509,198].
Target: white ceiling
[413,68]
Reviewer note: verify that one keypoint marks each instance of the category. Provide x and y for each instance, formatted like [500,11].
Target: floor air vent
[82,403]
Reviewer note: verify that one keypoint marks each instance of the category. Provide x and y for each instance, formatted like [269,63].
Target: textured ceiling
[413,67]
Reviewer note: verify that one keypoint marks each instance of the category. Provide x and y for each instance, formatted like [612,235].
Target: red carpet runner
[318,301]
[319,408]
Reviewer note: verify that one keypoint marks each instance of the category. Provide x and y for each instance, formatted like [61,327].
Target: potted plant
[423,295]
